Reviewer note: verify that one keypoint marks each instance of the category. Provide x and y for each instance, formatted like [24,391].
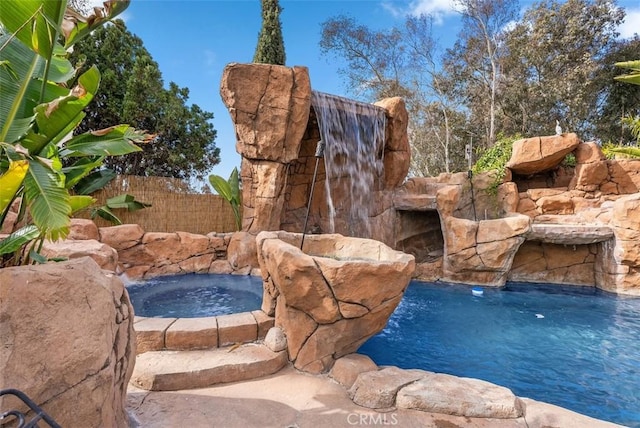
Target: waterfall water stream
[354,134]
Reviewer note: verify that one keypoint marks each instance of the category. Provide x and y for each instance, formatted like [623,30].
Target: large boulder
[68,340]
[269,105]
[539,154]
[103,254]
[481,252]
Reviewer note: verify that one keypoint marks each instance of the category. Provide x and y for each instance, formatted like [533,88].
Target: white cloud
[631,24]
[436,8]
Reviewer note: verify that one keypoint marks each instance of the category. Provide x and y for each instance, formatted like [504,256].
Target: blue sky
[193,40]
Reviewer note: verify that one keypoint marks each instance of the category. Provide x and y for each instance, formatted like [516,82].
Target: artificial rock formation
[537,154]
[332,297]
[269,106]
[578,226]
[277,133]
[68,340]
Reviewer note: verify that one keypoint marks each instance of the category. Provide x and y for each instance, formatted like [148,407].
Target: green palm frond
[48,201]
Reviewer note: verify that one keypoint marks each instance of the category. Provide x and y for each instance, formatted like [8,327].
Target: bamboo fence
[173,207]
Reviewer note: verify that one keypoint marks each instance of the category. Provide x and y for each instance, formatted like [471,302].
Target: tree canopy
[504,75]
[270,48]
[133,91]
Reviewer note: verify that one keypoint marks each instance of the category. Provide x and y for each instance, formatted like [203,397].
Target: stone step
[175,370]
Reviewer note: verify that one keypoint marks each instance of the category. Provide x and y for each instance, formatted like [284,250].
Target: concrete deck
[296,400]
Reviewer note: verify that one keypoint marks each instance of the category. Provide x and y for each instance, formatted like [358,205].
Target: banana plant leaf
[43,18]
[48,200]
[57,118]
[80,202]
[126,201]
[113,141]
[85,182]
[17,239]
[11,181]
[105,213]
[77,26]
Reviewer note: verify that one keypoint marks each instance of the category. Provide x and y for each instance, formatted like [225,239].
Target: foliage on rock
[495,159]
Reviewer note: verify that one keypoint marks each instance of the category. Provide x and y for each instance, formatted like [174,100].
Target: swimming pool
[196,295]
[575,347]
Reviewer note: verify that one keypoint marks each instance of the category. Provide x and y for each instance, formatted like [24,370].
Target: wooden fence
[174,208]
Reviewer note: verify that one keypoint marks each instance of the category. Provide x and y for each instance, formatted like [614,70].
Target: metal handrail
[20,417]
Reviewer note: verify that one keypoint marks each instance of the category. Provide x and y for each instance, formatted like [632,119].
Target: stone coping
[569,233]
[157,334]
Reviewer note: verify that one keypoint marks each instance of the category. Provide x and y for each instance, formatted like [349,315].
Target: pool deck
[286,399]
[291,399]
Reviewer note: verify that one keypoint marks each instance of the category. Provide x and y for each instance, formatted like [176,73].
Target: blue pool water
[196,295]
[578,348]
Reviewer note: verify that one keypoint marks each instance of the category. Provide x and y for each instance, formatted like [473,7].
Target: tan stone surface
[105,256]
[542,415]
[538,154]
[370,287]
[241,251]
[397,154]
[192,333]
[197,264]
[378,389]
[264,322]
[121,237]
[588,152]
[589,176]
[174,370]
[297,326]
[559,204]
[300,282]
[237,328]
[275,340]
[150,333]
[503,228]
[460,234]
[290,398]
[49,310]
[346,370]
[569,234]
[269,105]
[364,278]
[331,341]
[451,395]
[220,267]
[83,229]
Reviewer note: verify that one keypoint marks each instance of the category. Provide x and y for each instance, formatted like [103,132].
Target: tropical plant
[230,191]
[632,122]
[120,202]
[270,48]
[40,162]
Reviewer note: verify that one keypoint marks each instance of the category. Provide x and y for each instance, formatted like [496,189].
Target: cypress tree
[270,49]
